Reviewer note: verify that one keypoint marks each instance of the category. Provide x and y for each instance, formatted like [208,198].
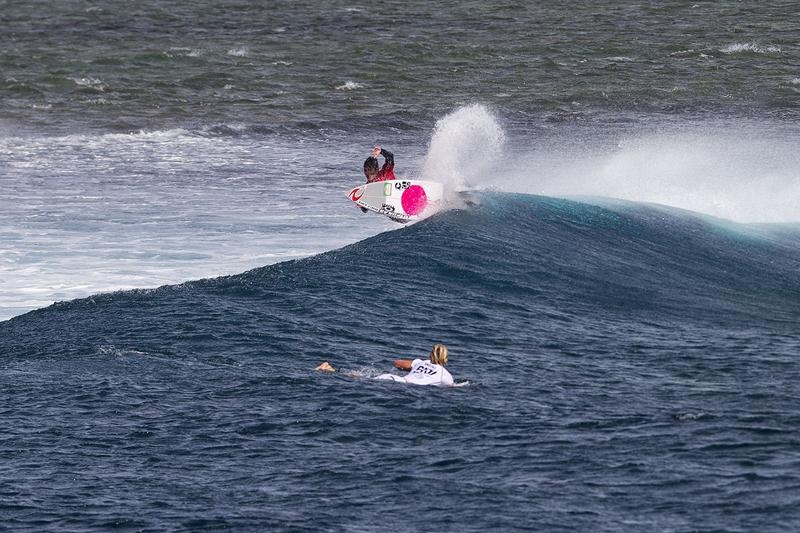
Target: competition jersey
[426,373]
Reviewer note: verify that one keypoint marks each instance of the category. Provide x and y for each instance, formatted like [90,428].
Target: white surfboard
[400,200]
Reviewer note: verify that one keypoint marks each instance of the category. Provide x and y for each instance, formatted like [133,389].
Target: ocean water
[616,274]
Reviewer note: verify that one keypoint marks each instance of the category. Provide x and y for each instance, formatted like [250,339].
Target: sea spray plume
[464,146]
[748,175]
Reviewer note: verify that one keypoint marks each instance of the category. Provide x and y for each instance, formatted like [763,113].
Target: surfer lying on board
[373,171]
[420,372]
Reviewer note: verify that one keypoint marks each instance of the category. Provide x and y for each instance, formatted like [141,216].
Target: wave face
[625,360]
[87,213]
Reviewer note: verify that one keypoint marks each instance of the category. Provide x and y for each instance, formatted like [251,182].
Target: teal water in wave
[631,350]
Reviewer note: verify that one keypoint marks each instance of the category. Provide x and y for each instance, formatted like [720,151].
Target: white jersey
[424,373]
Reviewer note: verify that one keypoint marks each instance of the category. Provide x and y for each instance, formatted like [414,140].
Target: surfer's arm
[389,159]
[402,364]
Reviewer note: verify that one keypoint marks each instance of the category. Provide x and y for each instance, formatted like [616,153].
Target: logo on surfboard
[357,193]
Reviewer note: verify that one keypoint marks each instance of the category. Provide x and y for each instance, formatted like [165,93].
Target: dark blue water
[631,367]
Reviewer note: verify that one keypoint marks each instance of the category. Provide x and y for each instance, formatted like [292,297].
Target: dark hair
[371,165]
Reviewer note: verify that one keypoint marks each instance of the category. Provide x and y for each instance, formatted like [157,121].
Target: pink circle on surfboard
[414,200]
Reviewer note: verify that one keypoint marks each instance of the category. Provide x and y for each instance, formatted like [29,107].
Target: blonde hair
[439,354]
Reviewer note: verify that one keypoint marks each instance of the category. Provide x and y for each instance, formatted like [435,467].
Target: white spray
[464,146]
[746,173]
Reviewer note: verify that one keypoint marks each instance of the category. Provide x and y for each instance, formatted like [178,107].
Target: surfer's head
[371,168]
[439,354]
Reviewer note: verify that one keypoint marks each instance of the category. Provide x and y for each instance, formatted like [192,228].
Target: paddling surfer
[420,371]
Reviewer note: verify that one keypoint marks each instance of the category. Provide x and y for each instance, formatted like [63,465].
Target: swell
[513,266]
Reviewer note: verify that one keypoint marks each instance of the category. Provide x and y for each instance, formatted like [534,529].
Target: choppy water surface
[395,66]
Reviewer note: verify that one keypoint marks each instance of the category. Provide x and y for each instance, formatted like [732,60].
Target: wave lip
[743,171]
[746,175]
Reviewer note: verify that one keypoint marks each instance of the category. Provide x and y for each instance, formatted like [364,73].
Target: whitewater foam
[753,48]
[82,213]
[92,83]
[349,86]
